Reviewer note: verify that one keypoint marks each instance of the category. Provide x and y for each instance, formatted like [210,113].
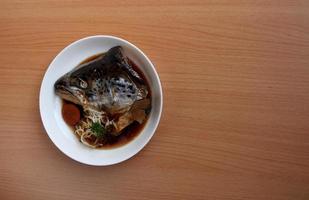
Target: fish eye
[82,83]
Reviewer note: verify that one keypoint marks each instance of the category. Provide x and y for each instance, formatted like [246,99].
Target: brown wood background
[235,123]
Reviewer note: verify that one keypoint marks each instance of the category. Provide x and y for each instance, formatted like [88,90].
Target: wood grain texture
[235,122]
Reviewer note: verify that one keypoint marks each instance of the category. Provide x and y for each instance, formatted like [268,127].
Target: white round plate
[50,104]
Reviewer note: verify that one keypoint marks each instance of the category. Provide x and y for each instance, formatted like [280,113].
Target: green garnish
[98,129]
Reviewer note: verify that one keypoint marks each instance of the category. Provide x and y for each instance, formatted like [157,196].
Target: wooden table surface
[235,122]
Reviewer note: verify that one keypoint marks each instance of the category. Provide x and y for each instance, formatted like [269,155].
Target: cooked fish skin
[107,83]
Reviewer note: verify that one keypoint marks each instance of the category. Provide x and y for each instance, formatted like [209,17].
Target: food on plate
[107,99]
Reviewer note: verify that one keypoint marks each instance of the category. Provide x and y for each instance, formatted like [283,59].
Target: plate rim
[129,154]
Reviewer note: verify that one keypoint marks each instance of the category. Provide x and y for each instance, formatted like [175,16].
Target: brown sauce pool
[129,133]
[91,58]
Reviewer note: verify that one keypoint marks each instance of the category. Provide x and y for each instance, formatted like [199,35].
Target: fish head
[106,83]
[74,86]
